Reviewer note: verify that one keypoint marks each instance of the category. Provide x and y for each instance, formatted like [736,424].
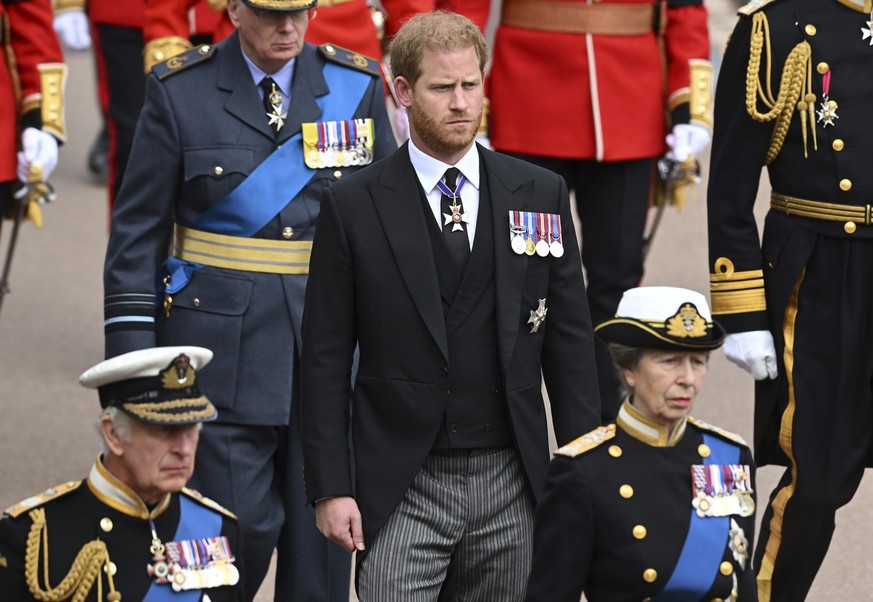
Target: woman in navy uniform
[658,506]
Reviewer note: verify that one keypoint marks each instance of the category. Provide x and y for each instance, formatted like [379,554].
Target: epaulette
[183,61]
[587,441]
[718,431]
[205,501]
[753,6]
[52,493]
[350,58]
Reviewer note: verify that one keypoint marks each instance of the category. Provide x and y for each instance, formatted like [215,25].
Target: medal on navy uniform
[343,143]
[721,490]
[538,316]
[828,111]
[542,247]
[193,563]
[277,115]
[516,232]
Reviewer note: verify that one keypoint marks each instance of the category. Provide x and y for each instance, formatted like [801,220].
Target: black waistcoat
[476,413]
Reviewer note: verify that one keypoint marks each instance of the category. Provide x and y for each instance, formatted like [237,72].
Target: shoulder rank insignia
[753,6]
[350,58]
[718,431]
[180,62]
[205,501]
[41,498]
[587,441]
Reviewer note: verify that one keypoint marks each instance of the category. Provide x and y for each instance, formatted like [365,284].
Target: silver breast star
[827,113]
[538,316]
[277,117]
[868,31]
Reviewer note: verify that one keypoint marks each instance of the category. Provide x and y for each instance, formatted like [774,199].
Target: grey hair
[120,420]
[625,358]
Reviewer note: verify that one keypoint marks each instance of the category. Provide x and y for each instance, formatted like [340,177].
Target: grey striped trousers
[462,533]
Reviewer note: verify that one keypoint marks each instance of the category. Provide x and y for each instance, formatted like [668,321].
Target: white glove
[752,351]
[72,28]
[37,148]
[687,140]
[401,124]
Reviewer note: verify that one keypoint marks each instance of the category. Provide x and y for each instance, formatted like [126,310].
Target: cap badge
[179,374]
[686,323]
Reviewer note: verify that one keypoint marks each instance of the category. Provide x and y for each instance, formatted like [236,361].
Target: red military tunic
[574,95]
[31,42]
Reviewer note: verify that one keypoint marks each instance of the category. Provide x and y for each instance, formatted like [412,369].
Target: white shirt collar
[430,170]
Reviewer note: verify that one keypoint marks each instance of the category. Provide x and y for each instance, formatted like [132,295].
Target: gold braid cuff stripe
[700,82]
[53,80]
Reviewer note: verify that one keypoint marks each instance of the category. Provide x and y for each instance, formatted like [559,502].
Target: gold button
[822,67]
[845,184]
[832,104]
[106,524]
[640,532]
[614,451]
[337,174]
[196,302]
[204,49]
[726,568]
[810,30]
[110,569]
[703,450]
[218,170]
[626,491]
[287,232]
[159,55]
[850,227]
[838,145]
[650,575]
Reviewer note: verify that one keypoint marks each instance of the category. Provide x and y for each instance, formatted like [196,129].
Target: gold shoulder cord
[795,88]
[83,573]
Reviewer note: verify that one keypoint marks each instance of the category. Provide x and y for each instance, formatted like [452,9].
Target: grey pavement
[51,330]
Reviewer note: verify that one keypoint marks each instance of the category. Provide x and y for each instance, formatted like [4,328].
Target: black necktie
[273,104]
[454,225]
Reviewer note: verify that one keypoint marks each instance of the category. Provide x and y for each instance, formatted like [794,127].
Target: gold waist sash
[238,253]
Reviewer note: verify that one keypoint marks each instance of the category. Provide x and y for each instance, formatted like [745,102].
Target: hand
[752,351]
[339,519]
[72,29]
[687,140]
[37,148]
[401,124]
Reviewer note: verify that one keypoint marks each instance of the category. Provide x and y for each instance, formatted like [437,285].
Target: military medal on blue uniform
[343,143]
[721,490]
[193,563]
[828,111]
[277,115]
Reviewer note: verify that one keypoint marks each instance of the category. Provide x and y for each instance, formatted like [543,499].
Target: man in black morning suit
[453,352]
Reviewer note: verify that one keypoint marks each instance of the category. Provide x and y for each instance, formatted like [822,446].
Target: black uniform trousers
[612,205]
[819,299]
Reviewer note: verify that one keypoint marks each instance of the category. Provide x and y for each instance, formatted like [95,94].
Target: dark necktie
[454,222]
[273,104]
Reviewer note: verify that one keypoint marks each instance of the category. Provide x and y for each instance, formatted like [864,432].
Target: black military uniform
[98,540]
[100,522]
[658,506]
[618,502]
[810,124]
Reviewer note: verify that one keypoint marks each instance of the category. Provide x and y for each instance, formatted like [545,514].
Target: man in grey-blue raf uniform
[210,243]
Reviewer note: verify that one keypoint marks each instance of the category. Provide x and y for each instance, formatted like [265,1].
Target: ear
[111,436]
[629,377]
[403,90]
[233,12]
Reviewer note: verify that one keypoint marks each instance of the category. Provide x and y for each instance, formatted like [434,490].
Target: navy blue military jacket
[101,509]
[202,132]
[615,516]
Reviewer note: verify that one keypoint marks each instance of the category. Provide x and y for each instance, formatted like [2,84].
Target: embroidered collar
[116,494]
[643,428]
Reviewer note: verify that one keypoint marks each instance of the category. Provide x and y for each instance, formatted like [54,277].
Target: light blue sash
[275,182]
[195,522]
[704,545]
